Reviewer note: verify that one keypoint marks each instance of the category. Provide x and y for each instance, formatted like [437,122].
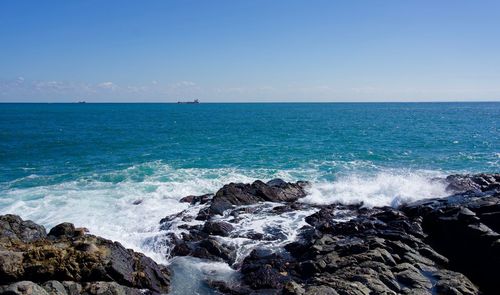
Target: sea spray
[387,188]
[127,205]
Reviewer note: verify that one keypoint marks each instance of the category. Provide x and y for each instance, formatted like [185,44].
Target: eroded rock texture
[69,261]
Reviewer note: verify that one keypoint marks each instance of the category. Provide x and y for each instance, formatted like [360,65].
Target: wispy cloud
[21,89]
[107,85]
[182,84]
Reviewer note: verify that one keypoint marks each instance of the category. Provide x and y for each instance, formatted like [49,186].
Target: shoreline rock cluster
[435,246]
[67,261]
[438,246]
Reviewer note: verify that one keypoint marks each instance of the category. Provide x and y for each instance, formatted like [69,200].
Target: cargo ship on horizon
[189,102]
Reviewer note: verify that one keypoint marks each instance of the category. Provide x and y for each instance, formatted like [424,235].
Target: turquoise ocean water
[87,163]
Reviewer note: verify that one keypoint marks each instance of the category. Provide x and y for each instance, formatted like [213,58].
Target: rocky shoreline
[436,246]
[68,261]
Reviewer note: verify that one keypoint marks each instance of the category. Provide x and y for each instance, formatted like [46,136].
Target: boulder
[54,288]
[13,229]
[237,194]
[22,288]
[219,228]
[64,229]
[29,257]
[265,270]
[196,199]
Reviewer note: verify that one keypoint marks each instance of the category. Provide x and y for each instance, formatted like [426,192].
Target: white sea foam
[104,203]
[276,229]
[389,188]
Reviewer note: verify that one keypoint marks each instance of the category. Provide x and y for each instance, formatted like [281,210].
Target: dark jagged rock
[479,182]
[288,208]
[437,246]
[382,252]
[137,202]
[29,257]
[202,242]
[419,249]
[69,288]
[211,249]
[422,248]
[219,228]
[265,270]
[238,194]
[465,227]
[200,245]
[13,230]
[196,199]
[66,230]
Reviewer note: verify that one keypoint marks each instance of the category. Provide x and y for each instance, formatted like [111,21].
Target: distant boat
[81,101]
[189,102]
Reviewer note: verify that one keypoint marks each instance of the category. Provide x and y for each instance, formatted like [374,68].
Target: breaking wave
[127,205]
[382,189]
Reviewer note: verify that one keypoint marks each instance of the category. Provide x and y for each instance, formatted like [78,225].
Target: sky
[249,50]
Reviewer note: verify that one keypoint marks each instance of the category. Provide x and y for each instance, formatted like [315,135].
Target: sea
[118,169]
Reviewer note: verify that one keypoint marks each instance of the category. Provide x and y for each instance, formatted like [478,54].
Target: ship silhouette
[189,102]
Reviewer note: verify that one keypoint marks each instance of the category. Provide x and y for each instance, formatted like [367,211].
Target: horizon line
[246,102]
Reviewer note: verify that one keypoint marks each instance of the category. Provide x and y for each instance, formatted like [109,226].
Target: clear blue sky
[236,50]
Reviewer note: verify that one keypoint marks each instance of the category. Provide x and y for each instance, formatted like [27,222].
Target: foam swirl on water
[127,205]
[124,205]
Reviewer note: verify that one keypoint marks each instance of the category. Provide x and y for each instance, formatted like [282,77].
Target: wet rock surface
[236,194]
[437,246]
[279,245]
[69,261]
[465,227]
[208,229]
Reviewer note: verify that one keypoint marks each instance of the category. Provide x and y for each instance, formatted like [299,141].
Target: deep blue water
[88,163]
[71,140]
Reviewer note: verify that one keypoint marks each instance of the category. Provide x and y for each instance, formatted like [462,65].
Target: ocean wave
[126,205]
[104,203]
[386,188]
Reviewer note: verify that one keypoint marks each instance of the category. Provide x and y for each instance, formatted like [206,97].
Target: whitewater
[121,208]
